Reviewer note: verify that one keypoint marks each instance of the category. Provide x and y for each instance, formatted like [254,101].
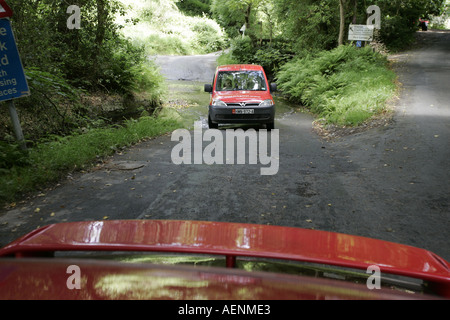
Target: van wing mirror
[273,87]
[208,88]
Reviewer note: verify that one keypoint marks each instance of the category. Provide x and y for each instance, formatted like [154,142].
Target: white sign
[13,83]
[244,27]
[360,32]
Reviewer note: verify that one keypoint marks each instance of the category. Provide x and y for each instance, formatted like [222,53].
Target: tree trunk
[102,15]
[247,15]
[355,12]
[342,24]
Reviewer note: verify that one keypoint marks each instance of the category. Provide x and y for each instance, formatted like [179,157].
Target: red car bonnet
[236,240]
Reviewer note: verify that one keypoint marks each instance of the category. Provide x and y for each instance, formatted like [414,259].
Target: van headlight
[266,103]
[218,103]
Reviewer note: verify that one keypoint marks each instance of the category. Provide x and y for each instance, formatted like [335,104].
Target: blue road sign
[13,83]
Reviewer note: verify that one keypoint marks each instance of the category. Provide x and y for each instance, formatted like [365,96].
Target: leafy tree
[311,25]
[95,57]
[195,7]
[400,19]
[321,25]
[233,14]
[58,61]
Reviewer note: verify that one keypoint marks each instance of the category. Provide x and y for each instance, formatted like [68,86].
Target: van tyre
[212,125]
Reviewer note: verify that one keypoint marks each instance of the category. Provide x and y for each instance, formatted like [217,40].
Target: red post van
[241,94]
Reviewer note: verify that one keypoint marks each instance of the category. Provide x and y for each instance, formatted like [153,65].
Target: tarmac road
[188,68]
[389,183]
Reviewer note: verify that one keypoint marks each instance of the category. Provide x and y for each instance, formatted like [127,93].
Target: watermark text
[235,146]
[74,21]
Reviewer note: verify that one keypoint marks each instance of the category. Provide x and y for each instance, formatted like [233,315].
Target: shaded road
[389,183]
[188,68]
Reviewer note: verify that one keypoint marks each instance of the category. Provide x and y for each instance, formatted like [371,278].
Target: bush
[345,85]
[243,49]
[208,34]
[397,32]
[11,155]
[164,29]
[194,7]
[52,108]
[271,56]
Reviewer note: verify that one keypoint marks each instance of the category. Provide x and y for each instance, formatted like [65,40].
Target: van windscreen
[241,81]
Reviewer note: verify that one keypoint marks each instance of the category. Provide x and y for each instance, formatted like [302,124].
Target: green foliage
[120,67]
[194,7]
[164,29]
[11,155]
[400,19]
[63,66]
[46,84]
[243,49]
[208,35]
[309,24]
[54,106]
[147,78]
[397,33]
[313,25]
[95,57]
[345,85]
[273,57]
[230,17]
[258,16]
[269,55]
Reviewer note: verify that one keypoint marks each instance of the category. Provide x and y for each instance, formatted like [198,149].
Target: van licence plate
[243,111]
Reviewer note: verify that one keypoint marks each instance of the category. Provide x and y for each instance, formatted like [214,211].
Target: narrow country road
[188,68]
[389,183]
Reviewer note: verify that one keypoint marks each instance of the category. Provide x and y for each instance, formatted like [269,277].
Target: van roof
[236,67]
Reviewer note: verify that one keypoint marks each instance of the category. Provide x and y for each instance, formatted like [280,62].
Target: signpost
[360,32]
[13,83]
[5,10]
[365,32]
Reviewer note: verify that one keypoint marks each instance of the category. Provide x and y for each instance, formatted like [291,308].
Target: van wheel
[270,126]
[212,125]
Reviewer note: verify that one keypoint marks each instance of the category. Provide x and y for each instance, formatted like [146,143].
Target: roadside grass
[345,86]
[47,162]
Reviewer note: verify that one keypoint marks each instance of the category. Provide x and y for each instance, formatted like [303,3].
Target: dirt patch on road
[330,132]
